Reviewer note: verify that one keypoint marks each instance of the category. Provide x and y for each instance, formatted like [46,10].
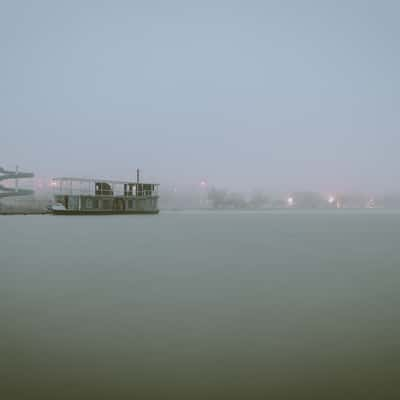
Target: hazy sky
[272,94]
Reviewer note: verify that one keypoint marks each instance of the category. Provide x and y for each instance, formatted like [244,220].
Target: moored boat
[82,196]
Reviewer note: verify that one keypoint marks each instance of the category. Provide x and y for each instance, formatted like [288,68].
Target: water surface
[201,305]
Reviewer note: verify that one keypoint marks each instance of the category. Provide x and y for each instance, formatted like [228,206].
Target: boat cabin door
[119,205]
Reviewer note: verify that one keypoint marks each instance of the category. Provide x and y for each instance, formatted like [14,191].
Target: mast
[137,181]
[16,179]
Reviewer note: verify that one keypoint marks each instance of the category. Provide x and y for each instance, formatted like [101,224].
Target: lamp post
[203,187]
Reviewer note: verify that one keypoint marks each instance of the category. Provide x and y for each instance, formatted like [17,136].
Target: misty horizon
[281,98]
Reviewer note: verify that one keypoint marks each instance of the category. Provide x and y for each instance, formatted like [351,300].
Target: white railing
[72,186]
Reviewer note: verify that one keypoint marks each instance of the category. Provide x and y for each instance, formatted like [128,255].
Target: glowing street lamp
[203,193]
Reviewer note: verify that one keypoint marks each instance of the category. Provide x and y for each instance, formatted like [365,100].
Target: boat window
[147,189]
[103,188]
[128,189]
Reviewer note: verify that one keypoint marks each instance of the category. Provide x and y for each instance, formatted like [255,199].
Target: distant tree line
[223,199]
[189,197]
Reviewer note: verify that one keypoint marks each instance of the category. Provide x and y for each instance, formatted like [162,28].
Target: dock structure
[16,176]
[82,196]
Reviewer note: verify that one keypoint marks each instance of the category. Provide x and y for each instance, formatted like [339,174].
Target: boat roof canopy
[72,179]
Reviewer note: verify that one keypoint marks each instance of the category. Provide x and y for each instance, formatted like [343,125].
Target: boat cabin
[99,196]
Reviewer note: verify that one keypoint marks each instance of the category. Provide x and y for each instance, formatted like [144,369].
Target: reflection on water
[201,305]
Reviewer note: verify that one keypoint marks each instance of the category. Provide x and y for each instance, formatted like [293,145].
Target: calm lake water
[201,304]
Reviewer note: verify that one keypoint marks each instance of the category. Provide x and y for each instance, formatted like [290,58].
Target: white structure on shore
[16,176]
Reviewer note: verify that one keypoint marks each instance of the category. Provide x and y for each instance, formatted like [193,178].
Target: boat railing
[98,187]
[76,191]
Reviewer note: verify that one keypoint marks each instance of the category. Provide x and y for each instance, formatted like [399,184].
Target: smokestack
[137,176]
